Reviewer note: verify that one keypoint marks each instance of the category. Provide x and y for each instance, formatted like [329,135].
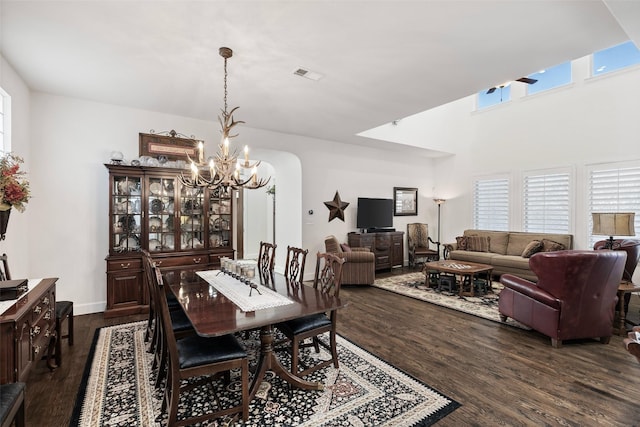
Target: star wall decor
[336,207]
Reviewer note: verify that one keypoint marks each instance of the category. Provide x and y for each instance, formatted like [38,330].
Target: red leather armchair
[575,296]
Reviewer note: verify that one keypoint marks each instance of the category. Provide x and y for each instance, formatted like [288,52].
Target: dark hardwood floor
[501,375]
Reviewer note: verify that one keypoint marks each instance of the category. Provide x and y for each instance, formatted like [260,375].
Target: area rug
[413,285]
[365,391]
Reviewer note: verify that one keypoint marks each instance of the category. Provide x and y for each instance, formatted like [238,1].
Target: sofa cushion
[498,240]
[510,262]
[478,243]
[480,257]
[533,247]
[518,240]
[345,247]
[550,246]
[461,243]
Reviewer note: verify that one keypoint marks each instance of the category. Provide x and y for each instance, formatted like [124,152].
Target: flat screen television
[374,214]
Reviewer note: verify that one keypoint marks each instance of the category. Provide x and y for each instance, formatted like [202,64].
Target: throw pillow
[461,243]
[533,247]
[550,246]
[478,243]
[345,247]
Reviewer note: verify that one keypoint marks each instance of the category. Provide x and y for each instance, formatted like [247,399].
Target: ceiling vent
[307,74]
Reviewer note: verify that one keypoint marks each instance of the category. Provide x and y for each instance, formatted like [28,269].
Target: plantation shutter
[491,204]
[546,203]
[614,190]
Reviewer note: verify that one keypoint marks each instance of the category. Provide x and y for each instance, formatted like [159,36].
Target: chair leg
[334,348]
[245,390]
[174,398]
[70,325]
[148,332]
[58,342]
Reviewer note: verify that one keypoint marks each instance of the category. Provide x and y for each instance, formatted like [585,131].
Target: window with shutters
[613,187]
[491,203]
[547,202]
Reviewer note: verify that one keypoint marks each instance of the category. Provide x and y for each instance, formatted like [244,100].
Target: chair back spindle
[266,259]
[294,267]
[328,273]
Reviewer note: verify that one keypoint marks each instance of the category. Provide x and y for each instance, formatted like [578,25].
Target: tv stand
[388,247]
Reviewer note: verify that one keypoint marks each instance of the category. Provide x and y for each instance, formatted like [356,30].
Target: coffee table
[467,271]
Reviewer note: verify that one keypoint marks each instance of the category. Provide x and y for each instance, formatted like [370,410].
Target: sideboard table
[27,328]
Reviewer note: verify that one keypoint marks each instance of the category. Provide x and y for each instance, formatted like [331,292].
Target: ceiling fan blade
[526,80]
[493,89]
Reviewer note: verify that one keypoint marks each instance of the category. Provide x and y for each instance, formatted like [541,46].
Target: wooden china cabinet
[182,227]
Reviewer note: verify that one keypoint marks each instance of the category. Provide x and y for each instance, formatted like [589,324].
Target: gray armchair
[360,265]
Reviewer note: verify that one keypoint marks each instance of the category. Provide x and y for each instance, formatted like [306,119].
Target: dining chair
[266,259]
[180,324]
[64,312]
[294,267]
[198,357]
[327,280]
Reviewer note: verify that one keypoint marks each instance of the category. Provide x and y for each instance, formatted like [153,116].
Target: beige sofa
[505,250]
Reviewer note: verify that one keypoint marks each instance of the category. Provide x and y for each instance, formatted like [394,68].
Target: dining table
[216,304]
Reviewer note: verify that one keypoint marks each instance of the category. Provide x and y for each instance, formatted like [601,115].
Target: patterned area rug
[413,285]
[118,390]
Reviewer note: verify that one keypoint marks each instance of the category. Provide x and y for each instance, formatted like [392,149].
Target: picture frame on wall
[172,145]
[405,201]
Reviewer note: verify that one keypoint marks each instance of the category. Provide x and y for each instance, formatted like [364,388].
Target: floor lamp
[439,202]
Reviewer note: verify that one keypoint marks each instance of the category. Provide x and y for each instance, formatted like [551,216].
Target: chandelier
[224,169]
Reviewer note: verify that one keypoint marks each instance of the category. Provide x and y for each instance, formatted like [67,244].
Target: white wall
[19,232]
[593,120]
[72,139]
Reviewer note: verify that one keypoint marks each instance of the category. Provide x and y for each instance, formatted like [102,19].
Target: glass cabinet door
[161,230]
[125,213]
[220,210]
[191,218]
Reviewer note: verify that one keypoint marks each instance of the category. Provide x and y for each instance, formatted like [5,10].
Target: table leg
[269,362]
[462,282]
[622,329]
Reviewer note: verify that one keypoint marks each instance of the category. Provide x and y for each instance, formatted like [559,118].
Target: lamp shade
[614,224]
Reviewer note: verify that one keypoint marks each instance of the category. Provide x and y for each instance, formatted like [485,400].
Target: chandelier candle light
[224,170]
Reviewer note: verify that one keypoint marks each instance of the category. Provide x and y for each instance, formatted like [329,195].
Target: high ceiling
[380,60]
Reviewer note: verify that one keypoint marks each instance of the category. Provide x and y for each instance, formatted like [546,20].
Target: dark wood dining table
[212,314]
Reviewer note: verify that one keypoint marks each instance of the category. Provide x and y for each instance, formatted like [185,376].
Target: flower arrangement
[14,187]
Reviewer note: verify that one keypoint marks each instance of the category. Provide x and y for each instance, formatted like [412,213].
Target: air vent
[307,74]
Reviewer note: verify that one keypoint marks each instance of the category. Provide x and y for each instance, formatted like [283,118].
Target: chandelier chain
[225,86]
[224,169]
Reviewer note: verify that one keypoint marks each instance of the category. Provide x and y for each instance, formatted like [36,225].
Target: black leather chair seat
[63,307]
[196,350]
[304,324]
[11,398]
[180,321]
[172,301]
